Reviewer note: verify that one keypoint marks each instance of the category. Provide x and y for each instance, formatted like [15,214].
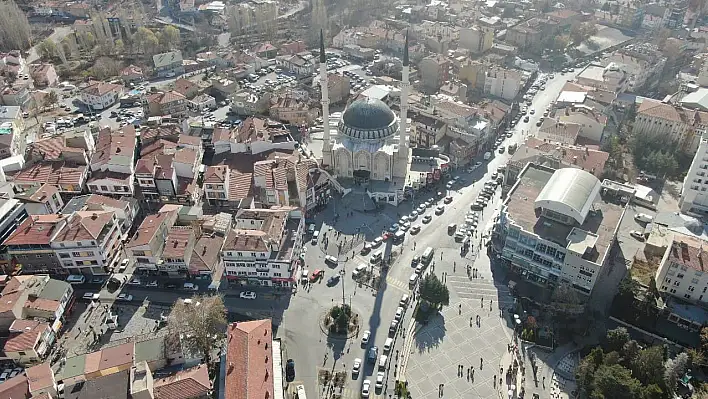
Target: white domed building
[368,145]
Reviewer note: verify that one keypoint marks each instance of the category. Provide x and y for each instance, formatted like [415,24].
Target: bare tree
[15,30]
[674,370]
[202,321]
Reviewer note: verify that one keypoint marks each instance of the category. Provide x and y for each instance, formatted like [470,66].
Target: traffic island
[340,321]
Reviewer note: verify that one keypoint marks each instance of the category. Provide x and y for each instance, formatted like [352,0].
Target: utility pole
[343,273]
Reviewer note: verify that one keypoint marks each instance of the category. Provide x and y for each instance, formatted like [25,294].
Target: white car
[637,234]
[643,217]
[427,218]
[125,297]
[399,313]
[357,367]
[413,216]
[134,281]
[90,296]
[415,229]
[331,260]
[365,337]
[153,283]
[380,379]
[366,389]
[247,295]
[377,241]
[439,210]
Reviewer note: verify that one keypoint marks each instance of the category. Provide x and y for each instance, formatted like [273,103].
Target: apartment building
[263,247]
[168,64]
[292,110]
[477,38]
[42,200]
[100,95]
[146,246]
[502,83]
[126,208]
[165,103]
[29,342]
[694,193]
[177,253]
[681,273]
[248,103]
[112,165]
[88,242]
[434,72]
[555,229]
[39,296]
[612,77]
[29,246]
[43,74]
[674,124]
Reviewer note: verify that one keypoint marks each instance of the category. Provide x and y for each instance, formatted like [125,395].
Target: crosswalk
[355,393]
[480,288]
[397,284]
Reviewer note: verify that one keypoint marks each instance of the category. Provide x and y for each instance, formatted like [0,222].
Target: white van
[315,236]
[388,345]
[305,274]
[359,270]
[383,359]
[413,279]
[376,257]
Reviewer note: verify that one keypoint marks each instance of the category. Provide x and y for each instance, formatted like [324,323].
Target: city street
[447,340]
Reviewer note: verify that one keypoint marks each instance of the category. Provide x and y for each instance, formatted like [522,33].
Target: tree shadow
[432,334]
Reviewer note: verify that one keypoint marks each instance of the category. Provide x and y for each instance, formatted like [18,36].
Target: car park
[413,216]
[399,313]
[247,295]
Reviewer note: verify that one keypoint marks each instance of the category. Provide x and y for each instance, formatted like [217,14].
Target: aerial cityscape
[260,199]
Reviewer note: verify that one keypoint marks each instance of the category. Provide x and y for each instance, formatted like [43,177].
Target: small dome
[368,119]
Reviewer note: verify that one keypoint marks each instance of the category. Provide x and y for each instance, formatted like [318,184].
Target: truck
[487,155]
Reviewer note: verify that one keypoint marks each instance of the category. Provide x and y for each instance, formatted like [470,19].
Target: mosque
[370,149]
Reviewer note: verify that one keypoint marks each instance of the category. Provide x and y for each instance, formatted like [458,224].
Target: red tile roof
[51,172]
[249,360]
[148,228]
[240,185]
[16,387]
[37,229]
[205,255]
[187,384]
[84,225]
[120,143]
[216,174]
[117,355]
[47,305]
[26,340]
[8,301]
[177,241]
[100,88]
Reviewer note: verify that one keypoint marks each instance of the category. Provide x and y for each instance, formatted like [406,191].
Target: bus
[76,279]
[428,255]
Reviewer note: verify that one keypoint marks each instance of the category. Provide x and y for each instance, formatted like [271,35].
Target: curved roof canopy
[368,119]
[570,192]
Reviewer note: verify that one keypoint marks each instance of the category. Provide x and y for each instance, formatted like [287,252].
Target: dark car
[170,285]
[290,370]
[333,280]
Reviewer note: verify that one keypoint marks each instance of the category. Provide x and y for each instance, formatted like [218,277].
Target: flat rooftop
[599,225]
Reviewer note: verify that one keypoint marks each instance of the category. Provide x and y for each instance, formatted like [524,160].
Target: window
[76,253]
[104,188]
[22,353]
[680,275]
[64,255]
[691,288]
[687,296]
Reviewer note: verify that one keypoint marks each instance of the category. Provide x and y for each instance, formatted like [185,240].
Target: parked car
[365,337]
[356,368]
[125,297]
[366,389]
[415,229]
[637,234]
[290,370]
[643,218]
[134,281]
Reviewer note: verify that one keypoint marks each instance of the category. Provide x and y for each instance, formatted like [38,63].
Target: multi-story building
[426,131]
[29,246]
[555,229]
[146,246]
[168,64]
[165,103]
[641,72]
[674,124]
[44,75]
[503,83]
[681,273]
[264,247]
[525,35]
[434,72]
[592,122]
[610,77]
[38,296]
[477,39]
[88,242]
[248,103]
[694,193]
[177,253]
[126,208]
[299,64]
[112,165]
[292,110]
[43,200]
[100,95]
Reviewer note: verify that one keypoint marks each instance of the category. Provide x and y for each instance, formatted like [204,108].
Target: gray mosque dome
[368,119]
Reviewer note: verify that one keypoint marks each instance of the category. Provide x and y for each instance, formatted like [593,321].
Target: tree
[119,46]
[47,49]
[581,32]
[674,369]
[648,367]
[617,339]
[616,382]
[15,32]
[433,291]
[145,40]
[630,352]
[105,67]
[169,38]
[50,99]
[200,321]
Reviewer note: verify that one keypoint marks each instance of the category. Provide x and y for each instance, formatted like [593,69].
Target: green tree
[630,352]
[585,372]
[47,49]
[433,291]
[648,367]
[119,46]
[169,38]
[200,321]
[145,40]
[617,339]
[653,391]
[674,369]
[616,382]
[50,100]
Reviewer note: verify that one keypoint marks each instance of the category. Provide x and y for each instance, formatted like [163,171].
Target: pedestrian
[495,380]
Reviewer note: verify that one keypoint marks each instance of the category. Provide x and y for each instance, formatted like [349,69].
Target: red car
[385,236]
[317,274]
